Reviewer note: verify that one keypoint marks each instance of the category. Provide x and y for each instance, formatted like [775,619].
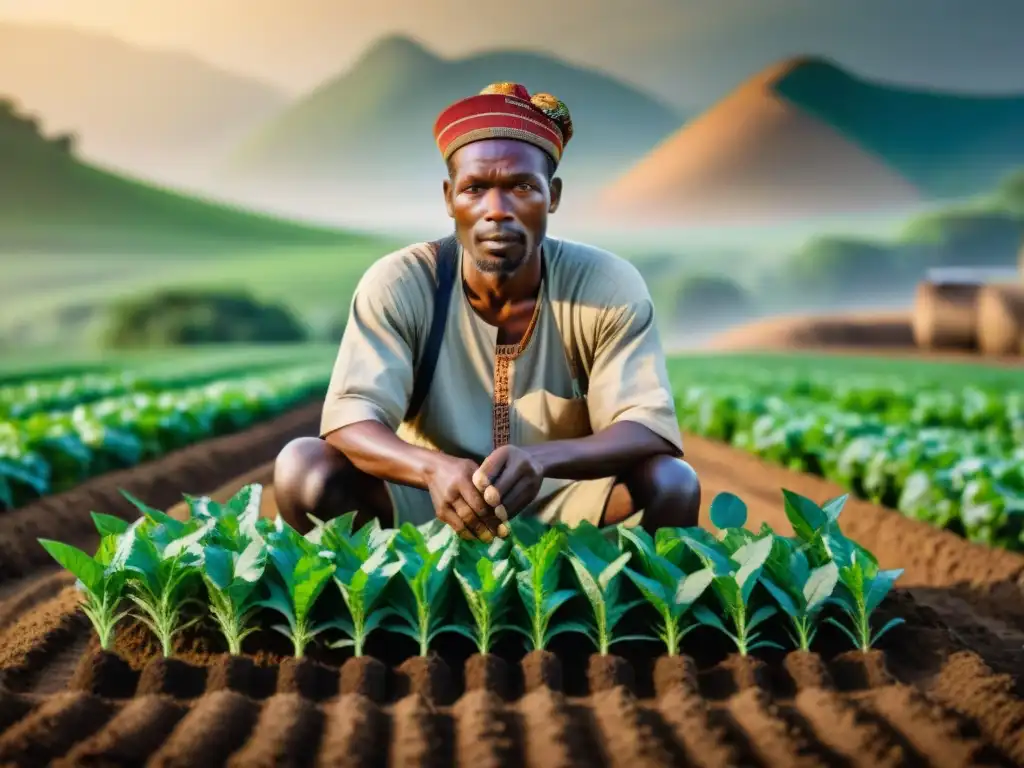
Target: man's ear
[447,188]
[556,194]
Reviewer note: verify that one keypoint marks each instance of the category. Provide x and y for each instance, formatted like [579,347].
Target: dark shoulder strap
[447,252]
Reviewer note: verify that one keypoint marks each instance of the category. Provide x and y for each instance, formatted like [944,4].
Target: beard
[497,266]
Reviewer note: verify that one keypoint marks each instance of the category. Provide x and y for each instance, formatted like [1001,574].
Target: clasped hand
[478,501]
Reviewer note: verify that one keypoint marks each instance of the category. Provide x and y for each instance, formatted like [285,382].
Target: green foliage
[598,564]
[51,451]
[427,557]
[948,456]
[703,299]
[193,316]
[422,581]
[362,572]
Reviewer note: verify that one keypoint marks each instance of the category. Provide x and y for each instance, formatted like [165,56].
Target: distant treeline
[14,123]
[829,270]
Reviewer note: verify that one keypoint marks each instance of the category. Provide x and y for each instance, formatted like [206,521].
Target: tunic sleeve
[372,377]
[629,377]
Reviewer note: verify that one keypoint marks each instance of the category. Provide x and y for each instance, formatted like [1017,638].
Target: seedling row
[337,585]
[53,451]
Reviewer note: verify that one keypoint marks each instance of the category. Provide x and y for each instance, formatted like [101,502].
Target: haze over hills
[168,114]
[805,138]
[366,136]
[51,203]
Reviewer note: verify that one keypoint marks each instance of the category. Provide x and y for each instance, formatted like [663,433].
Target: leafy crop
[598,565]
[613,586]
[954,459]
[362,571]
[664,584]
[487,581]
[49,451]
[100,578]
[427,556]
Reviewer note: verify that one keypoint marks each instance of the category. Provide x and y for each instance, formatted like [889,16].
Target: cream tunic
[594,315]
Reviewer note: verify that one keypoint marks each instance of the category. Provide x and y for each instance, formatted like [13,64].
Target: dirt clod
[542,669]
[426,676]
[675,672]
[489,673]
[172,677]
[104,674]
[366,676]
[607,672]
[307,678]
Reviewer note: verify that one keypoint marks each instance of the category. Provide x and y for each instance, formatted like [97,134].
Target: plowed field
[945,689]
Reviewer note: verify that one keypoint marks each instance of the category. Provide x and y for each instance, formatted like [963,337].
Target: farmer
[547,393]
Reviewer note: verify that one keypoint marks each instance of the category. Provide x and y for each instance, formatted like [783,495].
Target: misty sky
[686,50]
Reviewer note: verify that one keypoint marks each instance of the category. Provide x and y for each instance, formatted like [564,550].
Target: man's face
[499,196]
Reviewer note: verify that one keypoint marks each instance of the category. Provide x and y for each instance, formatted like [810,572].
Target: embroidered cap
[505,111]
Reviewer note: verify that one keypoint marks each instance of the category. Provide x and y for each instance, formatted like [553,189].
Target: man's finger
[448,516]
[518,496]
[487,520]
[473,522]
[474,498]
[490,468]
[497,493]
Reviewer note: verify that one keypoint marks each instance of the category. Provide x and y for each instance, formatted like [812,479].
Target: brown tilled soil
[944,689]
[875,333]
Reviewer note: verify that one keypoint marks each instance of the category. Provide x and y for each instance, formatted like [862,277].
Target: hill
[948,145]
[50,201]
[368,131]
[132,107]
[805,138]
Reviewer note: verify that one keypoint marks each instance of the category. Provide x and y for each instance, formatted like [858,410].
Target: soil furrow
[629,737]
[13,707]
[772,738]
[40,639]
[418,734]
[843,728]
[968,686]
[134,734]
[23,596]
[53,728]
[355,735]
[938,735]
[216,726]
[989,579]
[484,734]
[703,740]
[286,735]
[551,739]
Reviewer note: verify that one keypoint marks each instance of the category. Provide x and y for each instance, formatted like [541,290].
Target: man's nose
[497,205]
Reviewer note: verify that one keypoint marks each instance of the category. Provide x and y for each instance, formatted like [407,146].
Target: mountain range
[368,132]
[805,137]
[146,110]
[800,138]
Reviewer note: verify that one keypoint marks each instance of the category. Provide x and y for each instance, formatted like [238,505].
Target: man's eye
[524,187]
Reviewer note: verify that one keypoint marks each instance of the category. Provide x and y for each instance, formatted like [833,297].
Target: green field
[941,442]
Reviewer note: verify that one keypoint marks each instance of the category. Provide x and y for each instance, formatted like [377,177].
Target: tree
[843,266]
[703,300]
[194,316]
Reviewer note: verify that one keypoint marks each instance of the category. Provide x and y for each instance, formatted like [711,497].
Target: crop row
[955,461]
[50,452]
[229,567]
[24,399]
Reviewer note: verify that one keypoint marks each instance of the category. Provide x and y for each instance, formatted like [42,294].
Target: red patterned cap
[505,111]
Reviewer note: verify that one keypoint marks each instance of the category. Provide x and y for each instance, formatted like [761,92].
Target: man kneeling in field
[499,372]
